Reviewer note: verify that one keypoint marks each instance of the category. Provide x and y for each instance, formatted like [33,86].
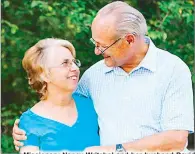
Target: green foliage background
[24,22]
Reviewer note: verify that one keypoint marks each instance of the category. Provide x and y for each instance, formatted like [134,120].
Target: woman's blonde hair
[34,62]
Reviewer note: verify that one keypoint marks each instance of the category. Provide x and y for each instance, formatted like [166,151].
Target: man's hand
[172,140]
[18,134]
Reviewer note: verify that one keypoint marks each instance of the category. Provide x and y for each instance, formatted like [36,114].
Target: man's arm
[177,115]
[177,118]
[166,141]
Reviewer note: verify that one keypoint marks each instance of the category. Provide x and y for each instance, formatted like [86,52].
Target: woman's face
[63,72]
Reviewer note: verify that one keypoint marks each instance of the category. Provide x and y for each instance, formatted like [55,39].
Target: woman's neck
[59,97]
[60,100]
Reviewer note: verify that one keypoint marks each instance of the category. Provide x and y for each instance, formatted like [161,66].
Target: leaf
[190,18]
[35,3]
[6,4]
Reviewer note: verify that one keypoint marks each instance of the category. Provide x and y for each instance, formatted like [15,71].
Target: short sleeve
[177,106]
[28,124]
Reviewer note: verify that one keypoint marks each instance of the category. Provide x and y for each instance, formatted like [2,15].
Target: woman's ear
[45,77]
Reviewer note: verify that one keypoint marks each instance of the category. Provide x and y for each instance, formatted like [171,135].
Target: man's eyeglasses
[67,63]
[100,48]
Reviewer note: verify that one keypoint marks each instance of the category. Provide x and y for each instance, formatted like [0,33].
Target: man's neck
[139,56]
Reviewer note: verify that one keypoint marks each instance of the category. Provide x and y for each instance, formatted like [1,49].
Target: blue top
[50,135]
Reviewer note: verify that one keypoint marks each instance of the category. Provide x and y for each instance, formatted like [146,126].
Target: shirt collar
[148,62]
[107,69]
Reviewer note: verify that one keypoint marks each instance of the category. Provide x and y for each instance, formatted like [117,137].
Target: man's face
[104,36]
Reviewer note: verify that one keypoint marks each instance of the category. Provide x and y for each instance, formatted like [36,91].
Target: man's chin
[108,63]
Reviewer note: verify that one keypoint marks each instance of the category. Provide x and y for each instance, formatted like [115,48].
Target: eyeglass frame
[102,51]
[70,63]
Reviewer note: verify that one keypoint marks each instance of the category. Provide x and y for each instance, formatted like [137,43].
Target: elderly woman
[60,120]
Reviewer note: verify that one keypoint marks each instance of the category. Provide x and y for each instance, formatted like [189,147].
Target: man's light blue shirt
[155,96]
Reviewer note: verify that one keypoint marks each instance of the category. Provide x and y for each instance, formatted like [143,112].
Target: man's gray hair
[128,19]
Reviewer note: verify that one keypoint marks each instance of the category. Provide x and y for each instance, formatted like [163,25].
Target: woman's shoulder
[37,108]
[84,103]
[31,122]
[27,121]
[25,115]
[81,99]
[28,117]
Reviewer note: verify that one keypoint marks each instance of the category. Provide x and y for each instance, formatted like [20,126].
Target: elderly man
[142,94]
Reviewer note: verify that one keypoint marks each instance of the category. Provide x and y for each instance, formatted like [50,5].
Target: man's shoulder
[170,61]
[170,57]
[97,67]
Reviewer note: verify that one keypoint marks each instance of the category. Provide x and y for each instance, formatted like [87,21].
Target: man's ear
[130,38]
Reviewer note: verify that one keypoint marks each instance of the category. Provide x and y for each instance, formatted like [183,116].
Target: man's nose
[97,51]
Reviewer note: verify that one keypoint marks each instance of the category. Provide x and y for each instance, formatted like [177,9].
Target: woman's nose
[74,67]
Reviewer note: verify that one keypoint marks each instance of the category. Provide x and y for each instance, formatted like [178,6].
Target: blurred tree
[24,22]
